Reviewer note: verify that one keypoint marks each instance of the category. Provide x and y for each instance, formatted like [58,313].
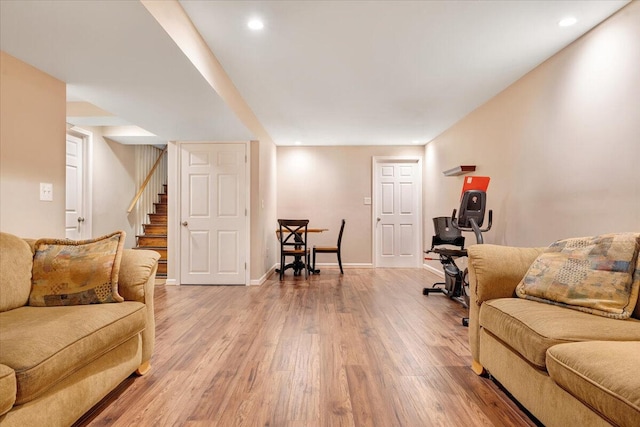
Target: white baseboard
[171,282]
[261,280]
[437,272]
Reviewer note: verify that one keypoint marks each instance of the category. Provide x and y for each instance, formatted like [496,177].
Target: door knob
[80,219]
[185,223]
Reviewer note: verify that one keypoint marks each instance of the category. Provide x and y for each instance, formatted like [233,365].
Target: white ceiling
[320,72]
[114,55]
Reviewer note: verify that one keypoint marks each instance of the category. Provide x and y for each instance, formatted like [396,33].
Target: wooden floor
[365,349]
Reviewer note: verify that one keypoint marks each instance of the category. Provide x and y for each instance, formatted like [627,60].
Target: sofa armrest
[136,269]
[494,272]
[136,282]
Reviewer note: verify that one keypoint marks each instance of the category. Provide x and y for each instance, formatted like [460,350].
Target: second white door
[213,214]
[397,213]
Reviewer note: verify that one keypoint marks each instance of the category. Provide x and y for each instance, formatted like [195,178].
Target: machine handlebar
[474,226]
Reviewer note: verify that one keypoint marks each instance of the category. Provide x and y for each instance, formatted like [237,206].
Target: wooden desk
[298,264]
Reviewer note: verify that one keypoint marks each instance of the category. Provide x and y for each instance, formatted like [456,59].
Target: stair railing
[146,181]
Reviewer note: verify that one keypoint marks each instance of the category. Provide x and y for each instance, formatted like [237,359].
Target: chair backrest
[293,232]
[446,233]
[340,234]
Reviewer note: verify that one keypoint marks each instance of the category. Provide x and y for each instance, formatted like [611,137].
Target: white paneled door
[397,213]
[74,215]
[213,214]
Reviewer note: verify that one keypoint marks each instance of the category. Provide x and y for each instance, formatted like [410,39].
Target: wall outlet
[46,191]
[367,200]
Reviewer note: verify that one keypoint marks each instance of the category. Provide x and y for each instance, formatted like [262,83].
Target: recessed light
[255,24]
[567,22]
[298,143]
[415,141]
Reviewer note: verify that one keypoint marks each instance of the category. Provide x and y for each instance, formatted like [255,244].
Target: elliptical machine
[449,232]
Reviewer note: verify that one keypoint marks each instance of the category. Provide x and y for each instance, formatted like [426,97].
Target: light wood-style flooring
[364,349]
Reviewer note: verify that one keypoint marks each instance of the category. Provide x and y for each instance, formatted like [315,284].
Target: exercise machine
[448,231]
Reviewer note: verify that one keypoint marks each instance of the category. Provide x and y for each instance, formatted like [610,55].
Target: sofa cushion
[16,259]
[530,328]
[67,272]
[46,344]
[601,374]
[8,389]
[592,274]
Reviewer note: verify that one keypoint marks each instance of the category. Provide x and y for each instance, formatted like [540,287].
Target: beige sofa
[58,362]
[567,367]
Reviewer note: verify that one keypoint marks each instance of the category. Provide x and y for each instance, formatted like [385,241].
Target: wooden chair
[330,250]
[293,242]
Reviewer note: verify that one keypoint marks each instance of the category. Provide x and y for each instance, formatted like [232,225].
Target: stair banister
[146,181]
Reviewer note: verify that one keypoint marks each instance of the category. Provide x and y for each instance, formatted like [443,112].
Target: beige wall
[263,209]
[326,184]
[32,149]
[561,145]
[31,154]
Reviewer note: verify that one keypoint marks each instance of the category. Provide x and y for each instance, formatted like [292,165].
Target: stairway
[155,233]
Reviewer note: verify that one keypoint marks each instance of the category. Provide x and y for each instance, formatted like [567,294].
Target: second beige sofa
[565,366]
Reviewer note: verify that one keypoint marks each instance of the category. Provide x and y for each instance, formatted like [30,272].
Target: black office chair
[293,242]
[330,250]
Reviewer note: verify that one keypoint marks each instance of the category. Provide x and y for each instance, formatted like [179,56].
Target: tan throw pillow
[598,275]
[67,272]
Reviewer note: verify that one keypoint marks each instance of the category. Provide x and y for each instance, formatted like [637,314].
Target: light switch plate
[367,200]
[46,191]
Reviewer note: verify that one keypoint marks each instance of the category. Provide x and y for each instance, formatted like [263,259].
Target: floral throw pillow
[67,272]
[599,275]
